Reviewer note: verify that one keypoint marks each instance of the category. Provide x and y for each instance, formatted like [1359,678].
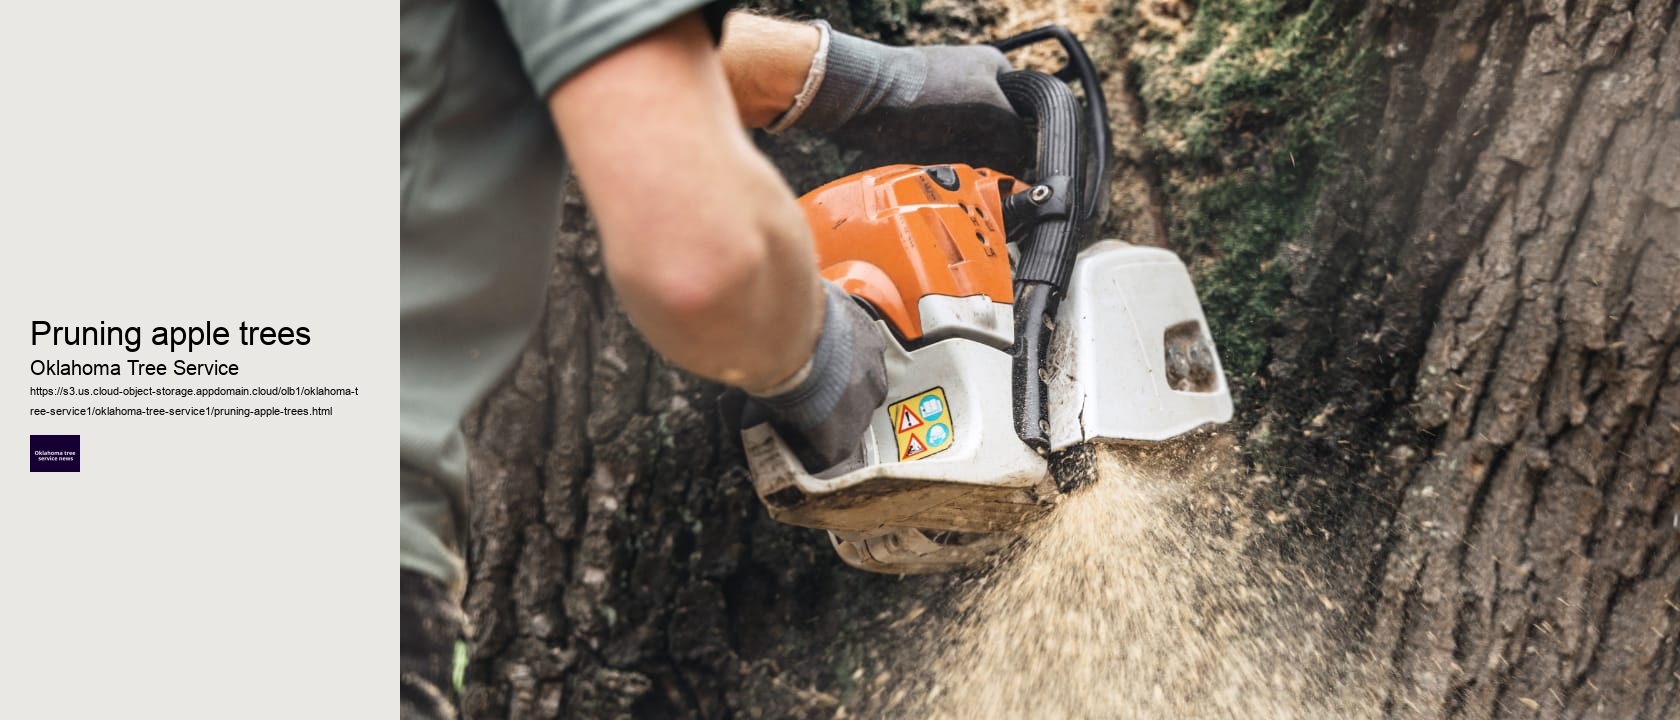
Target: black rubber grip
[1047,255]
[1068,197]
[1099,145]
[1034,302]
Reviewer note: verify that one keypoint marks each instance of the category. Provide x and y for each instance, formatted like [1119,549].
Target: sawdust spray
[1119,605]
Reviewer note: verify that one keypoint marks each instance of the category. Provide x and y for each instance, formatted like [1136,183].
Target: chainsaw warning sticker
[922,424]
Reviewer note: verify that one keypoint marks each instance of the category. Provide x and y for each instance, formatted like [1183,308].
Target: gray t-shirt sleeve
[557,38]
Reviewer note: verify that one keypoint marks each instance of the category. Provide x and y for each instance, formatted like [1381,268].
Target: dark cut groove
[1409,612]
[1459,693]
[1433,129]
[1595,651]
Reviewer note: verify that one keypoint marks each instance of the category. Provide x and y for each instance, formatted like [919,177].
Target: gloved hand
[824,415]
[922,105]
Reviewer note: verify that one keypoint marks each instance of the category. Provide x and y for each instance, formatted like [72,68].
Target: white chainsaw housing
[1131,361]
[1130,316]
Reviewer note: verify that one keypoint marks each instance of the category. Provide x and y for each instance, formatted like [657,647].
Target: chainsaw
[1015,346]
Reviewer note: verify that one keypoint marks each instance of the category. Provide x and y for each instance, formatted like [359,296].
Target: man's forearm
[702,239]
[767,62]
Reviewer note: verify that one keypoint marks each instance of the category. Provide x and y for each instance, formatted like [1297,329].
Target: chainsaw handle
[1053,209]
[1101,144]
[1055,197]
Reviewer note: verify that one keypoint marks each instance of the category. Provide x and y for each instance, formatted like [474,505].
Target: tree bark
[1473,399]
[1488,314]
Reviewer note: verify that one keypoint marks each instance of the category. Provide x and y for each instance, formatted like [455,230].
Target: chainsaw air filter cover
[897,234]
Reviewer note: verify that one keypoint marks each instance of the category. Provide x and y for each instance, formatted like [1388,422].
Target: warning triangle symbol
[907,420]
[914,447]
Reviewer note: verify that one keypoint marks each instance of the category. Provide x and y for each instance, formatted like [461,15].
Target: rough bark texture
[1473,399]
[1487,313]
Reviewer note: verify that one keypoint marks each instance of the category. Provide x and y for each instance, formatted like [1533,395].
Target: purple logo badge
[55,453]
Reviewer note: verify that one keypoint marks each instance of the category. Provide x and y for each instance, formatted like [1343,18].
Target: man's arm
[702,239]
[923,105]
[767,62]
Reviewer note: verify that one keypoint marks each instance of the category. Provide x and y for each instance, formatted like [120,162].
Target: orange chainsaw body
[895,234]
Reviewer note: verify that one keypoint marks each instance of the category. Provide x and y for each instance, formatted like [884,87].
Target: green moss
[1241,221]
[1245,110]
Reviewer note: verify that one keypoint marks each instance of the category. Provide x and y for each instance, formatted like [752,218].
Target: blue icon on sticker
[931,408]
[938,434]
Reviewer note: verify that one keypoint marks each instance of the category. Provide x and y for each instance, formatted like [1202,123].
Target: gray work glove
[922,105]
[824,417]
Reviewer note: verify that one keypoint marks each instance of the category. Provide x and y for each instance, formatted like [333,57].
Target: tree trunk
[1487,314]
[1471,395]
